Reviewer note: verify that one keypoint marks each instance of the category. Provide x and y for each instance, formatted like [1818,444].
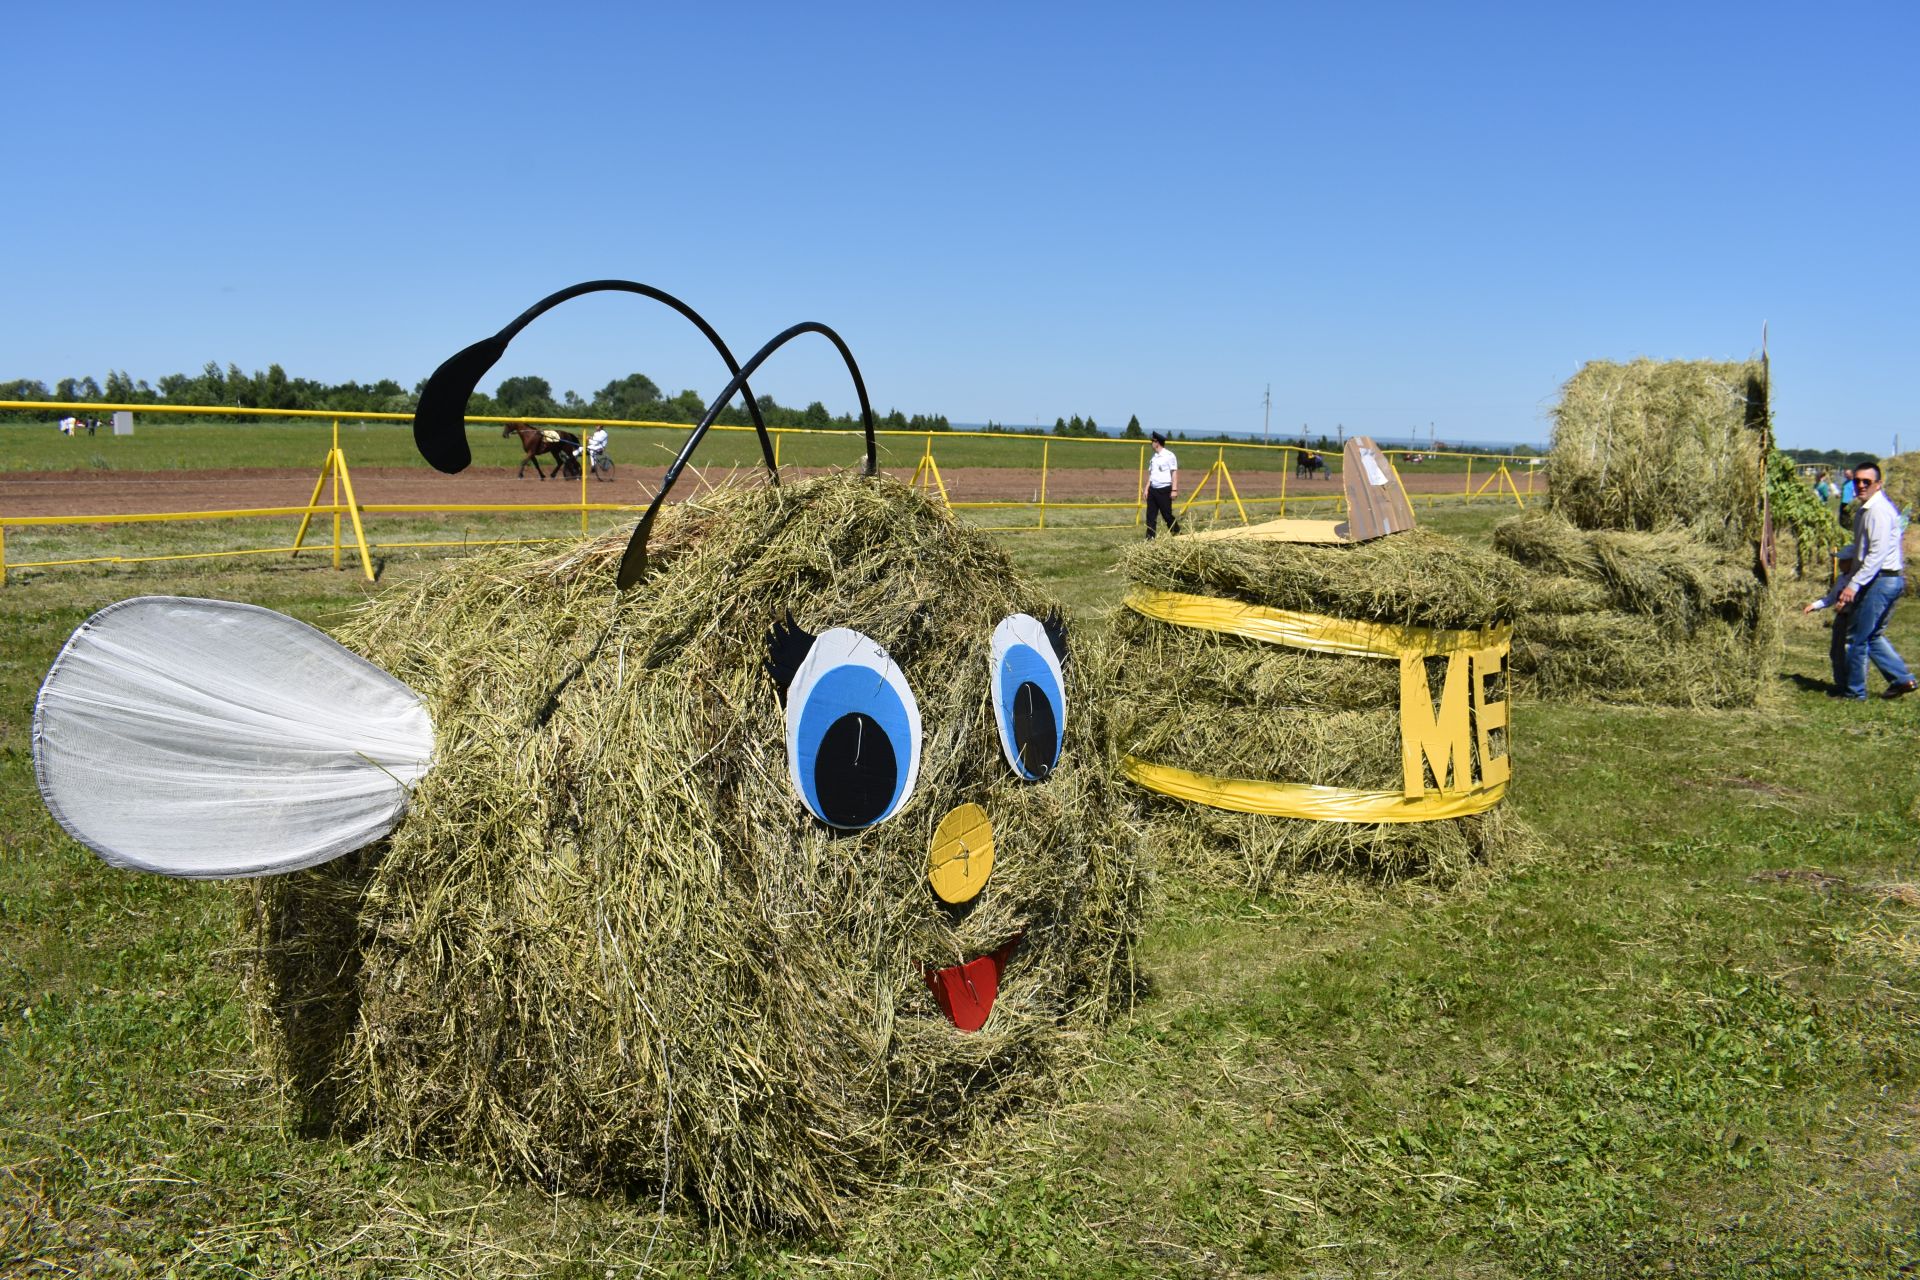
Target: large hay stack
[609,948]
[1656,445]
[1661,618]
[1647,582]
[1229,706]
[1901,473]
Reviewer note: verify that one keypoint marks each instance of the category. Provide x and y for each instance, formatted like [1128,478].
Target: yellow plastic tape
[1303,800]
[1312,630]
[1438,738]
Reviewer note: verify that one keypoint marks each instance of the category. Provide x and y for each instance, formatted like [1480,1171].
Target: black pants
[1160,506]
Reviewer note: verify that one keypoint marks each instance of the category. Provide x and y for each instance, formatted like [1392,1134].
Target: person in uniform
[1163,486]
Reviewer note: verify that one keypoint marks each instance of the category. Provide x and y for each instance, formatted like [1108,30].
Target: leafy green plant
[1798,511]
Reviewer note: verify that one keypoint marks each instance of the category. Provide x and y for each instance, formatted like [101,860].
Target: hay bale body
[609,947]
[1662,618]
[1655,445]
[1235,707]
[1645,583]
[1901,475]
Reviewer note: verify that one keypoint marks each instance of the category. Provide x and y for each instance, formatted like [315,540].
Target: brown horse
[563,445]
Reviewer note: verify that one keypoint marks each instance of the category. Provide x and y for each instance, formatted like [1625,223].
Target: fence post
[1469,475]
[580,459]
[1286,465]
[1140,497]
[3,555]
[333,469]
[1045,446]
[1220,464]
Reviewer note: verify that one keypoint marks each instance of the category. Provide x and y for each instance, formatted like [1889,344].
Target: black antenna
[439,424]
[633,565]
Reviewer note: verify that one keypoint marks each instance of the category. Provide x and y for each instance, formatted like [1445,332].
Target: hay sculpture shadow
[612,948]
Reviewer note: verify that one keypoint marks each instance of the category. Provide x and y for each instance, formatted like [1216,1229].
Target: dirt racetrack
[69,493]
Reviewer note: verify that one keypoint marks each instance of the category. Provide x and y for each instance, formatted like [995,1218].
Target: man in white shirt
[1163,485]
[1871,590]
[596,449]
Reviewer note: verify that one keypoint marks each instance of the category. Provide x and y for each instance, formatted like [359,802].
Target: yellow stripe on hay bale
[1443,739]
[961,856]
[1303,800]
[1342,636]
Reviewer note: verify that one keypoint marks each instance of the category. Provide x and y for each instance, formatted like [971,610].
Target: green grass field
[166,443]
[1666,1047]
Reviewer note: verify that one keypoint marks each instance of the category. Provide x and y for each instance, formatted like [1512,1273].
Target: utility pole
[1266,419]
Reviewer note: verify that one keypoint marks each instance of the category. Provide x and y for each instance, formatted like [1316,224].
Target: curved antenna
[633,564]
[439,424]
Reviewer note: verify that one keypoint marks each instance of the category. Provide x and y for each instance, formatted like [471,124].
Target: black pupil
[855,771]
[1034,730]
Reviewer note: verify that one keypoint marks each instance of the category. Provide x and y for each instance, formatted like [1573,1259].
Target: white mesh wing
[208,739]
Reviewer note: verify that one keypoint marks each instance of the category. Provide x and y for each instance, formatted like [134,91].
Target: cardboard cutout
[1376,505]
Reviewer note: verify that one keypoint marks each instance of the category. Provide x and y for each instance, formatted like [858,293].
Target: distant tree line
[272,389]
[1835,458]
[635,397]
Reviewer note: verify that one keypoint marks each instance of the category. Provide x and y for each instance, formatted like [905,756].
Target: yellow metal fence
[1502,477]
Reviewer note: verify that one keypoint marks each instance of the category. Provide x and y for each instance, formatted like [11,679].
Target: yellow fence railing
[1261,485]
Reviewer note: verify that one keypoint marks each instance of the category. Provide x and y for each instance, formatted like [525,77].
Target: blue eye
[1029,694]
[853,731]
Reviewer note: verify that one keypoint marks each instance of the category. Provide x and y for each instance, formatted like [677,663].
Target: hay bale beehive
[1656,445]
[1646,580]
[1662,618]
[610,946]
[1313,724]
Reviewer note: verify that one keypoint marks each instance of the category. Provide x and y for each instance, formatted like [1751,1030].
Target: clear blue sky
[1395,214]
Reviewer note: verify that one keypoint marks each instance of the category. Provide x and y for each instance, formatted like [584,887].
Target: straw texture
[1232,707]
[610,949]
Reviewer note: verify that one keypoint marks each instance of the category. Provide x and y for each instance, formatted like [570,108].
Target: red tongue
[965,992]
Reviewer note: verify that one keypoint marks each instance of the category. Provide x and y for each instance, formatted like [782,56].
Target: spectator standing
[1848,491]
[1871,590]
[1163,486]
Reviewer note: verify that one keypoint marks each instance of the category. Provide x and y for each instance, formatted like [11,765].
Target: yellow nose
[961,857]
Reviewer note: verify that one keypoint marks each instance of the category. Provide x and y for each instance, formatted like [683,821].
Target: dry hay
[1659,618]
[1901,474]
[609,949]
[1233,707]
[1656,445]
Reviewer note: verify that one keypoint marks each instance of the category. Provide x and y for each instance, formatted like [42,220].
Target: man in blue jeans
[1869,593]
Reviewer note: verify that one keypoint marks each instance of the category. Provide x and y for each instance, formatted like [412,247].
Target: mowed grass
[1681,1041]
[166,443]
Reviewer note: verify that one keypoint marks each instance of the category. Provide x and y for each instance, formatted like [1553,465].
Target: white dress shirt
[1875,549]
[1160,469]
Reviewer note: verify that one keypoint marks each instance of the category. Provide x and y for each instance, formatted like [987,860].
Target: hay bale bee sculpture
[782,868]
